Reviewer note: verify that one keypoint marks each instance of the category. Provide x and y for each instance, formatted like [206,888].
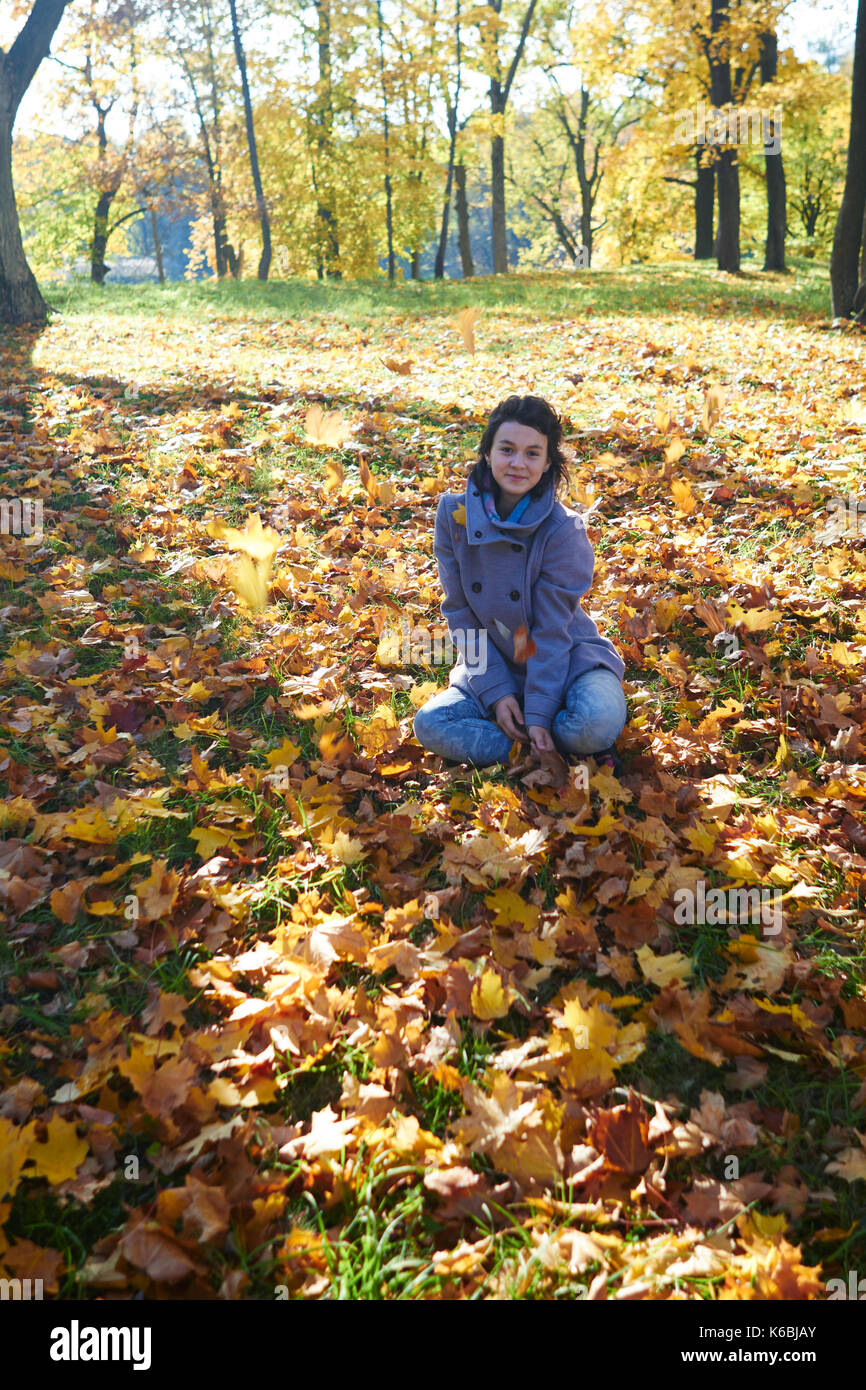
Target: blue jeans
[592,718]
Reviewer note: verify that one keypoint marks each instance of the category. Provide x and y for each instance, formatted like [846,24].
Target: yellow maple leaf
[460,515]
[842,655]
[15,1144]
[285,755]
[346,850]
[62,1154]
[684,498]
[91,827]
[334,476]
[753,619]
[663,970]
[199,691]
[103,908]
[209,839]
[145,555]
[326,427]
[250,583]
[488,997]
[257,541]
[509,907]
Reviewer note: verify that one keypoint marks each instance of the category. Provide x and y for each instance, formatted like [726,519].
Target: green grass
[675,287]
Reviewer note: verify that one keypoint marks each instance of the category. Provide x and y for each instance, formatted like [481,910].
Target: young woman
[511,556]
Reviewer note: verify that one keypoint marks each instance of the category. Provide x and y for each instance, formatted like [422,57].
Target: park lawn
[294,1009]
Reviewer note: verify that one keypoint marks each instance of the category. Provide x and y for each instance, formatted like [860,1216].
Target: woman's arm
[494,682]
[566,574]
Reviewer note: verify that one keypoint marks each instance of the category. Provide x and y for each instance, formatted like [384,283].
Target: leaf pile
[293,1007]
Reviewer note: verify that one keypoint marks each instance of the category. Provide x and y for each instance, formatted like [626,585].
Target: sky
[804,27]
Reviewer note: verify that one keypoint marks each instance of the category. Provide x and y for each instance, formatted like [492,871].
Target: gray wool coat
[497,575]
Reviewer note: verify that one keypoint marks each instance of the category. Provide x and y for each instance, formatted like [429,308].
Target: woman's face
[518,457]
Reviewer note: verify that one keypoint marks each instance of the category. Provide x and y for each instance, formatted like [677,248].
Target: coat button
[515,547]
[475,492]
[515,594]
[476,587]
[478,533]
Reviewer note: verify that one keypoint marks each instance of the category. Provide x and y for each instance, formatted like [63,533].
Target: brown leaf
[621,1135]
[158,1253]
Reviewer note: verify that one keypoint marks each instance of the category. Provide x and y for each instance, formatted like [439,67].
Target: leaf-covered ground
[293,1008]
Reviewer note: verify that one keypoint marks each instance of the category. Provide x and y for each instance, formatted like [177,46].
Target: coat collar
[493,529]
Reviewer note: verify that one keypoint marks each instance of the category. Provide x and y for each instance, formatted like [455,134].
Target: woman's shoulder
[562,516]
[449,502]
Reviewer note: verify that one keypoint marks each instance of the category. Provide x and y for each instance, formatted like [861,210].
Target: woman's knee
[595,713]
[424,724]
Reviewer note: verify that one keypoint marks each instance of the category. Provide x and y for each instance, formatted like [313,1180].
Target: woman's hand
[541,739]
[509,717]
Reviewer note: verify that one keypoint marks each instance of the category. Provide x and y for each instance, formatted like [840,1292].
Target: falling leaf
[524,647]
[250,583]
[685,500]
[394,365]
[334,476]
[327,428]
[466,321]
[714,399]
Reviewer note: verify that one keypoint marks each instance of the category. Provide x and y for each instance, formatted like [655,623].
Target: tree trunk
[20,299]
[777,212]
[98,268]
[848,236]
[588,182]
[452,109]
[705,200]
[442,248]
[157,247]
[497,182]
[565,237]
[326,213]
[462,208]
[210,150]
[586,233]
[499,92]
[220,236]
[264,219]
[389,211]
[727,169]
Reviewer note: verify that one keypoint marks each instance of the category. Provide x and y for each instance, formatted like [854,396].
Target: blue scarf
[490,505]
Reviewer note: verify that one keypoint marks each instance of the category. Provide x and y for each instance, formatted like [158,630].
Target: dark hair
[539,415]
